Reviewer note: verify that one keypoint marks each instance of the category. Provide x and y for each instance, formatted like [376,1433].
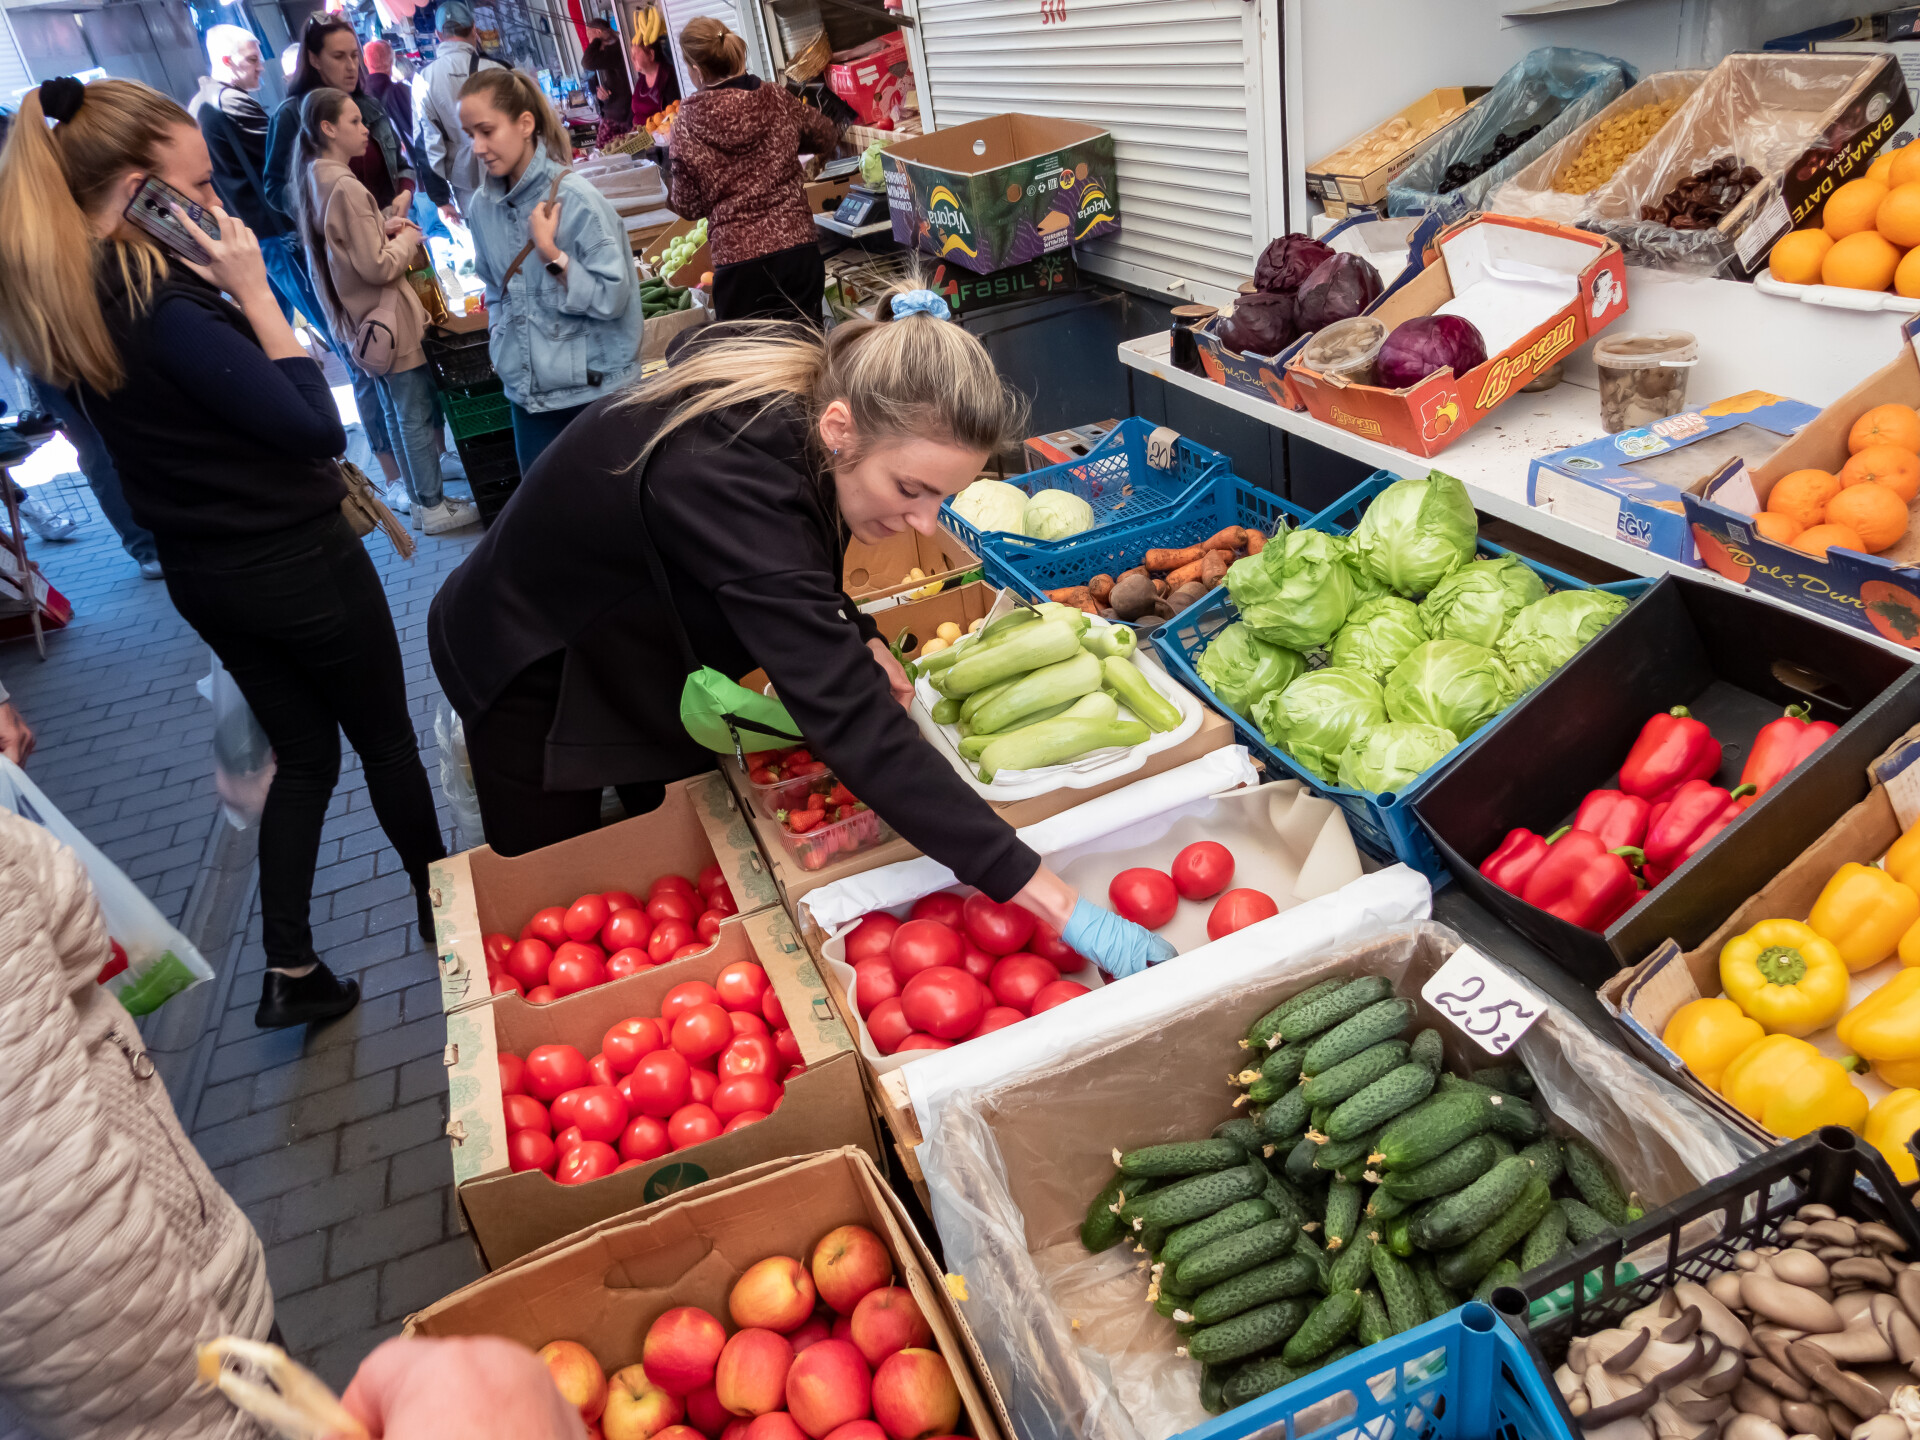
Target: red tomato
[576,967]
[1047,944]
[702,1032]
[549,925]
[630,961]
[532,1150]
[1238,909]
[504,984]
[742,1120]
[701,1084]
[1018,978]
[542,995]
[745,1092]
[943,1001]
[922,944]
[869,939]
[513,1074]
[496,947]
[673,882]
[667,937]
[745,1024]
[627,1093]
[600,1070]
[771,1010]
[696,948]
[567,1139]
[527,962]
[920,1041]
[600,1113]
[552,1070]
[620,900]
[628,1165]
[741,986]
[585,918]
[625,929]
[660,1083]
[565,1109]
[708,925]
[1144,896]
[709,878]
[996,929]
[943,909]
[685,996]
[749,1055]
[526,1113]
[998,1018]
[645,1138]
[888,1026]
[976,962]
[629,1041]
[692,1125]
[786,1046]
[873,981]
[1202,870]
[672,905]
[1058,993]
[721,902]
[589,1160]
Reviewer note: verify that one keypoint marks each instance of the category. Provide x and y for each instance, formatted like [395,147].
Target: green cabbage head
[1294,593]
[1240,667]
[1476,602]
[1391,757]
[1319,715]
[1417,532]
[1545,635]
[1056,514]
[1378,636]
[993,505]
[1451,684]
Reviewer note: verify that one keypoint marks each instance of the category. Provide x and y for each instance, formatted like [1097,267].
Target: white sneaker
[396,498]
[448,515]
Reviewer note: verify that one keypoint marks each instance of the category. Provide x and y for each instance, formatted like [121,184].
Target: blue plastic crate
[1465,1376]
[1384,824]
[1113,477]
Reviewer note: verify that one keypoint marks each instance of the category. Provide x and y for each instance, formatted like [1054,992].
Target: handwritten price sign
[1482,999]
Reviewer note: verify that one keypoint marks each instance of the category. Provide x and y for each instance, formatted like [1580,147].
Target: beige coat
[120,1250]
[363,262]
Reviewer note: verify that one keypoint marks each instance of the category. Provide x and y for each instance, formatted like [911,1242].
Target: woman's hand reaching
[483,1388]
[897,680]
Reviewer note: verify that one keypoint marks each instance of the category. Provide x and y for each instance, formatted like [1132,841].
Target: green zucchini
[1332,1321]
[1442,1175]
[1239,1216]
[1351,1076]
[1235,1254]
[1433,1127]
[1439,1299]
[1469,1264]
[1392,1094]
[1282,1279]
[1247,1334]
[1584,1223]
[1136,692]
[1504,1272]
[1257,1378]
[1329,1011]
[1353,1264]
[1374,1325]
[1287,1115]
[1195,1197]
[1382,1020]
[1547,1241]
[1102,1228]
[1399,1289]
[1343,1214]
[1243,1132]
[1429,1049]
[946,711]
[1591,1176]
[1262,1031]
[1398,1236]
[1547,1156]
[1186,1157]
[1033,648]
[1455,1219]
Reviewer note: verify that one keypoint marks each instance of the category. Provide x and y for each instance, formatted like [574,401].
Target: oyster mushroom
[1797,1267]
[1881,1237]
[1775,1379]
[1861,1343]
[1752,1427]
[1849,1389]
[1660,1364]
[1788,1305]
[1723,1372]
[1752,1398]
[1714,1315]
[1881,1427]
[1725,1287]
[1906,1285]
[1867,1269]
[1634,1427]
[1615,1396]
[1904,1335]
[1807,1418]
[1669,1424]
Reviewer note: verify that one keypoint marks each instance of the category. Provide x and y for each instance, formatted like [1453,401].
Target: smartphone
[172,219]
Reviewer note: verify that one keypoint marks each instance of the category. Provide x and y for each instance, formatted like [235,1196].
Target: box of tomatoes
[614,1097]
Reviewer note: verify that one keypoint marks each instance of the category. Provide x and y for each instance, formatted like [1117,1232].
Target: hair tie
[61,97]
[921,302]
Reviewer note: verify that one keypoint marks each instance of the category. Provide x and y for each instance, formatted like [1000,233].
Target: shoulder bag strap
[527,249]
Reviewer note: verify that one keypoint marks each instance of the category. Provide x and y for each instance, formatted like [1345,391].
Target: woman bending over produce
[716,498]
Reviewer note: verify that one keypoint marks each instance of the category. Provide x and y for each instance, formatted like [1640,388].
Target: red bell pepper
[1698,811]
[1781,745]
[1584,881]
[1615,816]
[1514,859]
[1671,749]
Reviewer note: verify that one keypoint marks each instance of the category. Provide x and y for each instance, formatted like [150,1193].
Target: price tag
[1482,999]
[1160,447]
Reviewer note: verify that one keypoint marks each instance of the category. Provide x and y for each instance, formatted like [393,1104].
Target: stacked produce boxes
[476,410]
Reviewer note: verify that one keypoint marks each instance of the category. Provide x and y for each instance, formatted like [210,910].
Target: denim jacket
[558,341]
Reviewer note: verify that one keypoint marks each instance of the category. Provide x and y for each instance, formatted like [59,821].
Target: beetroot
[1418,347]
[1287,262]
[1261,324]
[1340,287]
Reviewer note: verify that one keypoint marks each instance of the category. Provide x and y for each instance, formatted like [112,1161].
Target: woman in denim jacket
[562,295]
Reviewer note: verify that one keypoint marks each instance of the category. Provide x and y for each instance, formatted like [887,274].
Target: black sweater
[235,129]
[750,538]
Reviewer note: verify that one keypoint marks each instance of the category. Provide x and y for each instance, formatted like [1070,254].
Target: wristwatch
[557,267]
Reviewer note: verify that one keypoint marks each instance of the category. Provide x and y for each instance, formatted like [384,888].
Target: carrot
[1189,571]
[1256,542]
[1071,595]
[1214,568]
[1231,538]
[1173,559]
[1100,587]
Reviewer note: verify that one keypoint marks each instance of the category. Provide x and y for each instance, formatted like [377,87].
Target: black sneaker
[308,999]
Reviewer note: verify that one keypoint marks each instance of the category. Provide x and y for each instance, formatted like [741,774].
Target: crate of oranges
[1865,252]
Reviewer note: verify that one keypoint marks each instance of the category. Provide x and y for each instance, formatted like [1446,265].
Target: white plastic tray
[1836,297]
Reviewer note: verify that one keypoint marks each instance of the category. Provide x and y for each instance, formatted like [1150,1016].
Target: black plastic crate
[460,362]
[1697,1236]
[488,456]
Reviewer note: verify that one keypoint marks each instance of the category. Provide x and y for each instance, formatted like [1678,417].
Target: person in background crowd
[396,97]
[360,256]
[654,85]
[16,736]
[736,160]
[225,435]
[436,101]
[102,478]
[612,95]
[565,316]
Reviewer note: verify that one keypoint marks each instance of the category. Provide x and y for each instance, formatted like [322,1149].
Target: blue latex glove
[1118,946]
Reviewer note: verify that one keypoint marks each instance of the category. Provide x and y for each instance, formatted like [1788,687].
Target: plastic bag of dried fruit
[1561,183]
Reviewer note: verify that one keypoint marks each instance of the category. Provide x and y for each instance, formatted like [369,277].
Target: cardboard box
[1426,418]
[696,265]
[477,892]
[605,1285]
[1004,190]
[1066,445]
[474,319]
[659,330]
[873,572]
[1335,180]
[824,196]
[874,85]
[969,294]
[1877,593]
[512,1214]
[1631,484]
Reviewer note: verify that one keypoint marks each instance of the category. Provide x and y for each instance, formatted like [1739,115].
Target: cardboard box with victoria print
[605,1284]
[477,893]
[511,1213]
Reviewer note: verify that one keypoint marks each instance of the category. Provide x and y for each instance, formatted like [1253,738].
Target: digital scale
[861,207]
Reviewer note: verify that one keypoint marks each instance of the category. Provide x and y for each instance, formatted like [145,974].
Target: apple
[737,1427]
[774,1294]
[828,1385]
[849,1262]
[843,1328]
[679,1432]
[681,1349]
[817,1327]
[774,1425]
[705,1412]
[636,1407]
[914,1395]
[577,1375]
[887,1320]
[857,1430]
[751,1377]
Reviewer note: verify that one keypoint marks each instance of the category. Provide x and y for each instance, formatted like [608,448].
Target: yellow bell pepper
[1910,945]
[1886,1025]
[1899,1074]
[1708,1034]
[1791,1088]
[1785,976]
[1864,911]
[1903,860]
[1890,1122]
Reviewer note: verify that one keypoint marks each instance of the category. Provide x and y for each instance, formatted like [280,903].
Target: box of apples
[486,904]
[620,1094]
[793,1301]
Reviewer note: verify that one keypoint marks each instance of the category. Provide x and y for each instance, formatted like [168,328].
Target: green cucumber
[1299,1166]
[1469,1264]
[1279,1198]
[1513,1079]
[1195,1197]
[1248,1334]
[1260,1034]
[1504,1272]
[1455,1219]
[1584,1223]
[1330,1011]
[1166,1303]
[1512,1116]
[1235,1254]
[1433,1127]
[1277,1074]
[1282,1279]
[1242,1215]
[1213,1388]
[1287,1115]
[1590,1175]
[1439,1298]
[1257,1378]
[1392,1094]
[1547,1156]
[1374,1324]
[1243,1132]
[1382,1020]
[1429,1049]
[1186,1157]
[1318,1117]
[1444,1174]
[1332,1321]
[1353,1264]
[1399,1289]
[1343,1214]
[1547,1241]
[1102,1228]
[1398,1236]
[1316,1254]
[1338,1156]
[1353,1075]
[1386,1208]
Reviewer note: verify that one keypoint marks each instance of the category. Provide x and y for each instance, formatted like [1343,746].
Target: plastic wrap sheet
[456,777]
[243,763]
[1557,89]
[1012,1156]
[1531,193]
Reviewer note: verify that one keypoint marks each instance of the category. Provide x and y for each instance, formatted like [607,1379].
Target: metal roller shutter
[14,76]
[1185,86]
[738,18]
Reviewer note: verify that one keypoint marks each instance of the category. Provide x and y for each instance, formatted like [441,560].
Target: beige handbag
[365,510]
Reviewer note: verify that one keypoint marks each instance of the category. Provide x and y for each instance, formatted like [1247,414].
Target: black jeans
[299,619]
[507,748]
[786,285]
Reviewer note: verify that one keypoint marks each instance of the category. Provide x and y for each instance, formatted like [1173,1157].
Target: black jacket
[235,127]
[750,538]
[603,60]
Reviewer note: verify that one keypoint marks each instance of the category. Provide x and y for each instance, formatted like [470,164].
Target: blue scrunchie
[921,302]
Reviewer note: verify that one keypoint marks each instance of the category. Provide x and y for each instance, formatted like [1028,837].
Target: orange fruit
[1885,425]
[1863,260]
[1873,512]
[1905,169]
[1851,209]
[1814,541]
[1889,465]
[1898,218]
[1795,258]
[1781,529]
[1802,496]
[1882,169]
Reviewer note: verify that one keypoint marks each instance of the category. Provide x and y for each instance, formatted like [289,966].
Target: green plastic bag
[728,719]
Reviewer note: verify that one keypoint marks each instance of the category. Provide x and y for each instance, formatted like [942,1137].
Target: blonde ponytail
[712,49]
[514,95]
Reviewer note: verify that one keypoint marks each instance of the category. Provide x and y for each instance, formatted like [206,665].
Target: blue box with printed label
[1635,484]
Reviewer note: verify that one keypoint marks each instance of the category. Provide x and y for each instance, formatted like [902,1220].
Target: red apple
[857,1430]
[887,1320]
[849,1262]
[705,1412]
[914,1395]
[773,1294]
[738,1426]
[815,1328]
[673,1432]
[681,1349]
[636,1407]
[775,1425]
[578,1376]
[843,1329]
[828,1386]
[751,1376]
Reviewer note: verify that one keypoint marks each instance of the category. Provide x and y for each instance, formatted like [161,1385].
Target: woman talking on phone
[700,519]
[224,433]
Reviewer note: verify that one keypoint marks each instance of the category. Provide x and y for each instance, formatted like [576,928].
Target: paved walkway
[329,1138]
